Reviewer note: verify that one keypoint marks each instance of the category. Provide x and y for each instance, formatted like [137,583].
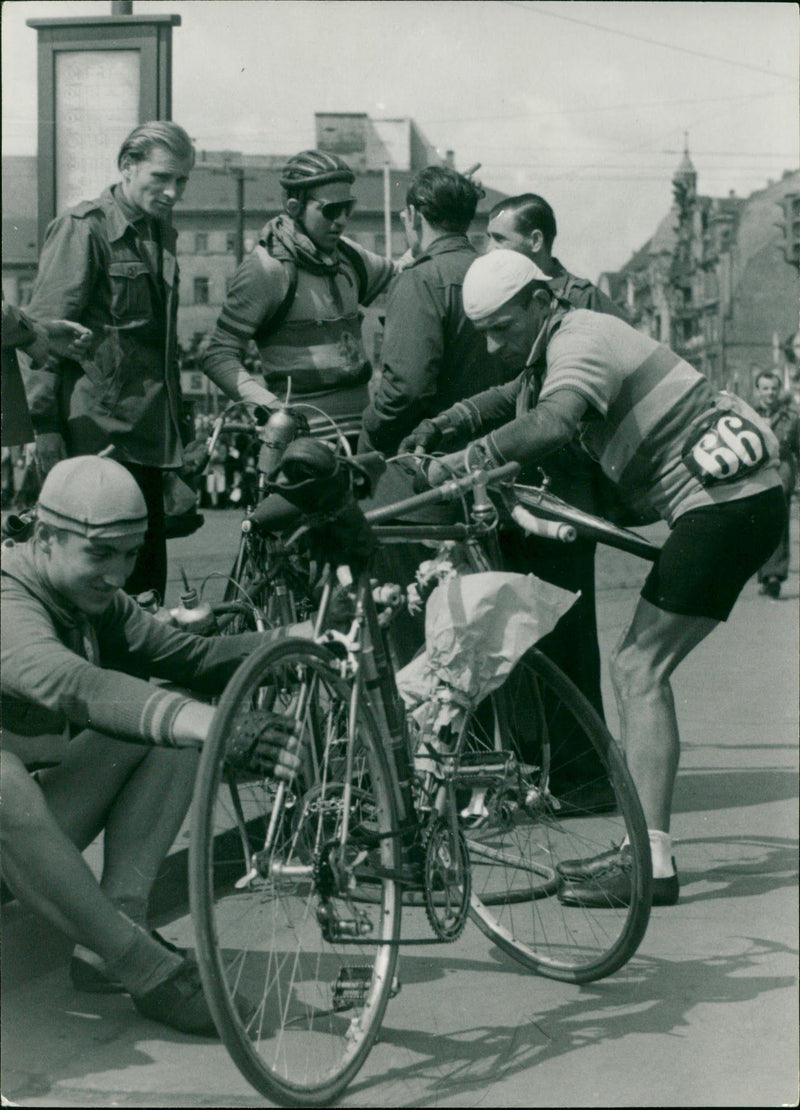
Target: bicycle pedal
[351,988]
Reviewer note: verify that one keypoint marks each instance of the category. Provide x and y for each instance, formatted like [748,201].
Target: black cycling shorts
[711,552]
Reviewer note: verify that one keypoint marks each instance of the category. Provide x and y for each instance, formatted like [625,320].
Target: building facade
[713,282]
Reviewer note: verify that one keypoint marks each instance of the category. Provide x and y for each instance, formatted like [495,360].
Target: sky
[587,104]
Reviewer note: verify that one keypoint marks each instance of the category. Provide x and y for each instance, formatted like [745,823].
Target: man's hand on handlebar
[446,467]
[425,437]
[458,463]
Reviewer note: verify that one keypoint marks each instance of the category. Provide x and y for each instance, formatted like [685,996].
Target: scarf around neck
[286,241]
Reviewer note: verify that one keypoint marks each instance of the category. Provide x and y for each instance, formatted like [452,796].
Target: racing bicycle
[297,891]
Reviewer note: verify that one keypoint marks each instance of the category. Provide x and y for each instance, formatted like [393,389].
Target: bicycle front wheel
[281,929]
[520,832]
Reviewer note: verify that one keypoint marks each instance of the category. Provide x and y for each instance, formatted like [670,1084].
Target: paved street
[704,1015]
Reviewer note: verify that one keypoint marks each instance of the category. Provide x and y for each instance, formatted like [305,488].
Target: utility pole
[387,211]
[237,171]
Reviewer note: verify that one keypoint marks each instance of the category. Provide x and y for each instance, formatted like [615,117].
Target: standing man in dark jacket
[432,355]
[110,264]
[38,339]
[527,224]
[784,420]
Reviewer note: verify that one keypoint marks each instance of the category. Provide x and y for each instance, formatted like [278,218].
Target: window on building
[201,290]
[230,242]
[200,242]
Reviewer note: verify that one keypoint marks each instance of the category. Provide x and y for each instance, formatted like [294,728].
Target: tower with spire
[684,191]
[684,180]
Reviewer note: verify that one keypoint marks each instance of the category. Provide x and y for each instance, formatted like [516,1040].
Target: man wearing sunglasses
[298,295]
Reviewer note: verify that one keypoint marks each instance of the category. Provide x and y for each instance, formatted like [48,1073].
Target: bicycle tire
[540,716]
[304,1043]
[515,849]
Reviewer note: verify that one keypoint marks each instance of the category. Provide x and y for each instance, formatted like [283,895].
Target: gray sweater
[61,668]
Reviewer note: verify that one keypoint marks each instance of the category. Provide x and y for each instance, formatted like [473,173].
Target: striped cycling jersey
[646,404]
[316,343]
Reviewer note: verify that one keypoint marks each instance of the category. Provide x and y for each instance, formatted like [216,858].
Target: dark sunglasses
[331,210]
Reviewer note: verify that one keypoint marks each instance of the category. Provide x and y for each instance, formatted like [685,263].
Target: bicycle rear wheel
[521,831]
[262,923]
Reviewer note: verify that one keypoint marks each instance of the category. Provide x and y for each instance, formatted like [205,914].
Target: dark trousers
[572,645]
[777,565]
[150,572]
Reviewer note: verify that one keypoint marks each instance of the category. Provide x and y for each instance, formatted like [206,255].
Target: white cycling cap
[494,278]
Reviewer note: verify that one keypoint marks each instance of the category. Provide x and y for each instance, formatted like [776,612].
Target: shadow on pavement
[736,866]
[664,993]
[697,791]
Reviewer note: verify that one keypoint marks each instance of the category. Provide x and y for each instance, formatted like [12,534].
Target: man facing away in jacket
[431,354]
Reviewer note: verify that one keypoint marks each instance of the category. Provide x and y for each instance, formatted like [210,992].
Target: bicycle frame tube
[377,675]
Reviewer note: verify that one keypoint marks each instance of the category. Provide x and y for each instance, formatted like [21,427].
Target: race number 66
[733,444]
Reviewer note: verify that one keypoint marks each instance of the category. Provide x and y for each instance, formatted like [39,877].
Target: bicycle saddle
[313,478]
[310,476]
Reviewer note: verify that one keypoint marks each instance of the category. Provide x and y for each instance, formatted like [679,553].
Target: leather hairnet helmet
[311,168]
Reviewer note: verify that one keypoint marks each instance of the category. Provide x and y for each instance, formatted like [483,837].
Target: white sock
[661,853]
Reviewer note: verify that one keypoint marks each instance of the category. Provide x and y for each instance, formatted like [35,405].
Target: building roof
[211,190]
[760,214]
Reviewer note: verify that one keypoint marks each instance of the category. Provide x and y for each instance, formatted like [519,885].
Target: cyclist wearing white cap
[297,294]
[104,742]
[703,460]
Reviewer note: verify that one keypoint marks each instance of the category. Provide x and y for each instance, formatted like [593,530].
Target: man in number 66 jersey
[675,448]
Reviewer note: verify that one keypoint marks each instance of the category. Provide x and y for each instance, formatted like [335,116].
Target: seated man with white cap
[106,743]
[703,460]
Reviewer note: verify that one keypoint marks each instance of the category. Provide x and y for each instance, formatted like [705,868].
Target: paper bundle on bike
[477,627]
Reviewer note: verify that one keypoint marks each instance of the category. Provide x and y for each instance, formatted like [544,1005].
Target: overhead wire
[535,9]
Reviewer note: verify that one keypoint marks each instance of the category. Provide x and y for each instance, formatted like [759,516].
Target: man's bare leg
[650,649]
